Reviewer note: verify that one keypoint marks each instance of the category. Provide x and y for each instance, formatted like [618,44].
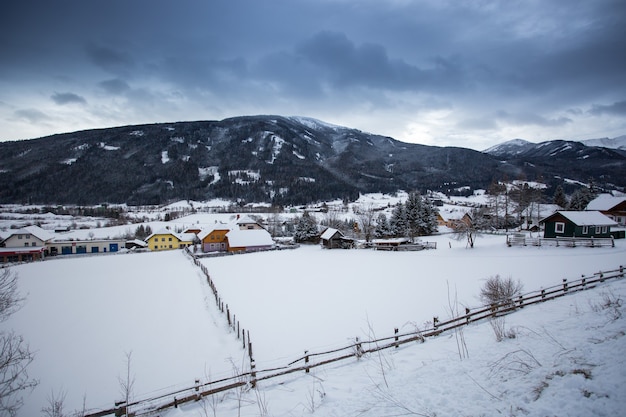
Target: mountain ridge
[265,158]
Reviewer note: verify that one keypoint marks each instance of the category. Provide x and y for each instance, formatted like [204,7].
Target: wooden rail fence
[309,360]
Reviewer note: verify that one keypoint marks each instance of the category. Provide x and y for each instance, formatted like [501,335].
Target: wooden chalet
[585,224]
[612,207]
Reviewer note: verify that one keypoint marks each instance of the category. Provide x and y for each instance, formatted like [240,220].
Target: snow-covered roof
[183,237]
[248,238]
[36,231]
[329,233]
[585,218]
[605,202]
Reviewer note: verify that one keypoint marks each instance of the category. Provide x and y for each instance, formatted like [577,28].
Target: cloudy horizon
[435,72]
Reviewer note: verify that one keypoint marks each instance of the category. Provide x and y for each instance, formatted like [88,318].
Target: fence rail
[358,348]
[572,242]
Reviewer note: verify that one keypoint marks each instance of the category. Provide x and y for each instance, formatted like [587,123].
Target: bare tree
[366,220]
[56,402]
[15,355]
[127,383]
[471,226]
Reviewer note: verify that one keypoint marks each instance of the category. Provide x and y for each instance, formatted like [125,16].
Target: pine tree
[580,199]
[398,221]
[382,229]
[306,228]
[560,199]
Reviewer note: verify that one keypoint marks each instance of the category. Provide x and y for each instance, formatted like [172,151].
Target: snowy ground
[83,314]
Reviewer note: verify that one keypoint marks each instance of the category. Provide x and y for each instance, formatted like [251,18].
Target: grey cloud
[531,119]
[109,59]
[114,86]
[616,109]
[31,115]
[67,98]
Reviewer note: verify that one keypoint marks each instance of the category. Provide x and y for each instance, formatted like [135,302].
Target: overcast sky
[468,73]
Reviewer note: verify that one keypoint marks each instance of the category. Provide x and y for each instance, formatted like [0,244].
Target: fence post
[252,374]
[435,322]
[306,360]
[584,282]
[521,301]
[228,315]
[249,347]
[601,276]
[467,317]
[543,294]
[395,331]
[243,336]
[564,284]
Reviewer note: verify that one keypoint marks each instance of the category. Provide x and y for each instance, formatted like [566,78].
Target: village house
[165,239]
[25,245]
[242,235]
[612,207]
[585,224]
[453,219]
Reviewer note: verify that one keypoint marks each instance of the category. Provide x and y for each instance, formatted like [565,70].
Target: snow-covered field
[84,314]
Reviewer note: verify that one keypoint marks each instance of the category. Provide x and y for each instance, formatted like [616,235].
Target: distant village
[603,218]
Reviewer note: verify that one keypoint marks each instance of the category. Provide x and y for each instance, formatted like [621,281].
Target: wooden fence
[572,242]
[309,360]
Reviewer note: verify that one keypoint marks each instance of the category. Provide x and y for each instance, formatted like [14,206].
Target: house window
[585,230]
[19,236]
[559,227]
[26,244]
[33,244]
[605,229]
[170,239]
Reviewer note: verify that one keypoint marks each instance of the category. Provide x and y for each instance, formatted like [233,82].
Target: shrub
[498,290]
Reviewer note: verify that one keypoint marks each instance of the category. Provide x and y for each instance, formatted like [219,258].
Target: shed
[334,239]
[577,224]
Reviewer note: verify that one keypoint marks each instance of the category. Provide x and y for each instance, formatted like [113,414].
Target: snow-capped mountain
[282,160]
[612,143]
[511,147]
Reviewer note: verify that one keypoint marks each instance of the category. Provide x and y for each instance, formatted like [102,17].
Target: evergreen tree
[398,221]
[382,229]
[306,228]
[580,199]
[428,218]
[413,208]
[560,199]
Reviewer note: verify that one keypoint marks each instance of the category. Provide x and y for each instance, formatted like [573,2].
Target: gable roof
[605,202]
[183,237]
[584,218]
[329,233]
[38,232]
[247,238]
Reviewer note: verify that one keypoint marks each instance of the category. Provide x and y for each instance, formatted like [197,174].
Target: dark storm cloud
[114,86]
[617,109]
[490,64]
[109,59]
[31,115]
[67,98]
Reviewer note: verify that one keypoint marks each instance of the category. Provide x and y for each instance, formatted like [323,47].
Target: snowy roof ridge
[585,218]
[604,202]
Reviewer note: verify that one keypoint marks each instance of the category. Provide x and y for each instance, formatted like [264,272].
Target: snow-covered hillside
[83,314]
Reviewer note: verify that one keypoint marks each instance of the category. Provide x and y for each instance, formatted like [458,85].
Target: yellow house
[167,240]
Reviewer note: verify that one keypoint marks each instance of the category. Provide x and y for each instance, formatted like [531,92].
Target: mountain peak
[509,146]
